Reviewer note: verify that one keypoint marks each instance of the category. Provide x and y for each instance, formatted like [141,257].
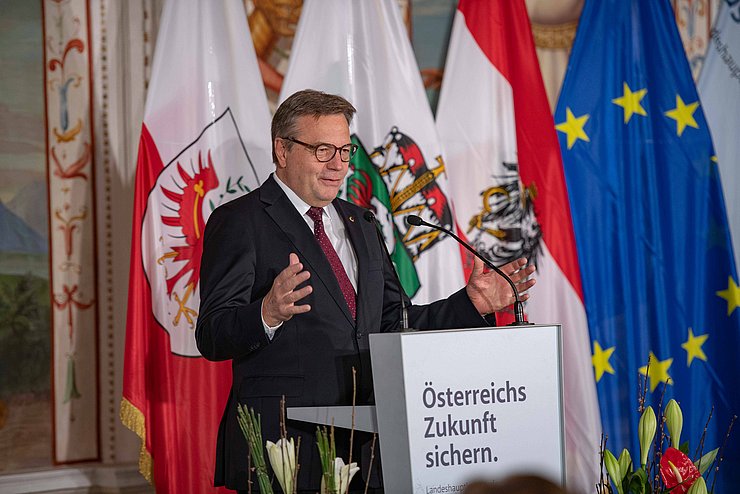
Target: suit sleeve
[456,311]
[229,322]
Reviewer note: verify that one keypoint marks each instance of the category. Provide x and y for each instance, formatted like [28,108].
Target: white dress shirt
[335,230]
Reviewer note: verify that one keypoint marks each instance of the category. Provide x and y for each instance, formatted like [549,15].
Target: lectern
[457,405]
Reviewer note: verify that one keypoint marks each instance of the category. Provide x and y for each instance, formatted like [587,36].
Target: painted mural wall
[25,312]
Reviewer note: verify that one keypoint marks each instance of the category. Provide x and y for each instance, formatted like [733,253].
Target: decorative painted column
[72,231]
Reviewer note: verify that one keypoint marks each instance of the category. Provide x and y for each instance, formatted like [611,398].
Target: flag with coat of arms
[204,141]
[361,51]
[659,278]
[507,183]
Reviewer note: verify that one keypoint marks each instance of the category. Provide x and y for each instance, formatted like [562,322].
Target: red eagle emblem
[191,223]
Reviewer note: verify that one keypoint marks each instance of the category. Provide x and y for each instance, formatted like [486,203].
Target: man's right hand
[279,304]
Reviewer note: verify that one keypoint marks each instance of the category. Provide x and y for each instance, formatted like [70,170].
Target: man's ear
[280,152]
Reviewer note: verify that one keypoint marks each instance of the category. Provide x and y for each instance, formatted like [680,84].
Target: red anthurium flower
[677,471]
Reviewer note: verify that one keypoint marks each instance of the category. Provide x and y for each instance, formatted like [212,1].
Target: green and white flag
[360,49]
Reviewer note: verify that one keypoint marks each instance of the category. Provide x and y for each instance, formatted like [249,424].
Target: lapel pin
[352,219]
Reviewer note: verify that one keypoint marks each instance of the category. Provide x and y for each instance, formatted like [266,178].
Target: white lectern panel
[457,405]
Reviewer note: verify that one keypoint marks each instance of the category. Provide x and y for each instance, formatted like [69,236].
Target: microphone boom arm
[370,217]
[518,306]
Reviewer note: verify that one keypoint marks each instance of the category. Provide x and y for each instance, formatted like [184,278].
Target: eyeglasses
[325,152]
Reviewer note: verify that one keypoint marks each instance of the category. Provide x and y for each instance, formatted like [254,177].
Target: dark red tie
[316,214]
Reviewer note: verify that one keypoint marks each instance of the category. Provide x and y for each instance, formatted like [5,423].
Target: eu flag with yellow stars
[655,253]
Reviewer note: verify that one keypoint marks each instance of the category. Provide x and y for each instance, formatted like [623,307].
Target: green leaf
[698,487]
[706,461]
[229,188]
[625,463]
[612,466]
[638,483]
[684,448]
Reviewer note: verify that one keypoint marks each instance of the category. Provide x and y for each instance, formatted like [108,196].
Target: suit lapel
[291,222]
[359,243]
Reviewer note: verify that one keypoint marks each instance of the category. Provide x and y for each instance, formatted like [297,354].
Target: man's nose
[336,162]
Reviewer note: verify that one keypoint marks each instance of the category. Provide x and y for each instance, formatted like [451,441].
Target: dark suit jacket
[310,358]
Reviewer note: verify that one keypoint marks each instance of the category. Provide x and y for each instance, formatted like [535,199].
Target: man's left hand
[489,292]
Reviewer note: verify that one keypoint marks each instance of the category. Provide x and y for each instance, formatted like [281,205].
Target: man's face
[314,182]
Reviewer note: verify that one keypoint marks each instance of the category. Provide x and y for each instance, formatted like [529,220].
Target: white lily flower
[282,461]
[342,477]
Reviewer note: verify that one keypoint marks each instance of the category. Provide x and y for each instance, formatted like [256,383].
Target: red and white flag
[509,193]
[204,141]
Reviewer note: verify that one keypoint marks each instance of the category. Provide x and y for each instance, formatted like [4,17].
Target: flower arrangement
[676,472]
[283,462]
[336,474]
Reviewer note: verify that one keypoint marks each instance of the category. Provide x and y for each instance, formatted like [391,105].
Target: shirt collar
[298,203]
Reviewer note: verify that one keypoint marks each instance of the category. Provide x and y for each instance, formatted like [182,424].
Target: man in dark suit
[293,281]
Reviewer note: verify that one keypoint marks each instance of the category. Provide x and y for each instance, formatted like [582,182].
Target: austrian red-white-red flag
[509,193]
[204,141]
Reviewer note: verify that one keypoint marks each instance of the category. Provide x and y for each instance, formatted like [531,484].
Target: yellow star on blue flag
[693,347]
[630,102]
[657,371]
[683,114]
[600,360]
[731,295]
[654,251]
[573,127]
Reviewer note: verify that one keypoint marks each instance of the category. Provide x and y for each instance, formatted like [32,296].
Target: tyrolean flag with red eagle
[204,141]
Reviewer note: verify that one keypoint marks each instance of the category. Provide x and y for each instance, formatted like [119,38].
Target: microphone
[370,217]
[414,220]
